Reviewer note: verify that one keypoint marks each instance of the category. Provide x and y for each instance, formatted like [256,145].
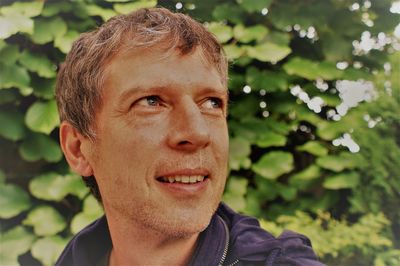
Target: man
[143,103]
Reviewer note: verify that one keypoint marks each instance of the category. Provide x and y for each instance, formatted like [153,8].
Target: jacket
[230,239]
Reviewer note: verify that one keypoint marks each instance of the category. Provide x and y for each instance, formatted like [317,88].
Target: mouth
[183,179]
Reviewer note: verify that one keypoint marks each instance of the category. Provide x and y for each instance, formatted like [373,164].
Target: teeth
[183,179]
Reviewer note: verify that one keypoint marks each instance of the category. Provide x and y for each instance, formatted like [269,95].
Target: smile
[182,179]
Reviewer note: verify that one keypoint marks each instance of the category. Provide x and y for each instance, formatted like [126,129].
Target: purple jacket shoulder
[252,245]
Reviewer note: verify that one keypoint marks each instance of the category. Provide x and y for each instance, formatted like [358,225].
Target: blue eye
[153,100]
[213,103]
[149,101]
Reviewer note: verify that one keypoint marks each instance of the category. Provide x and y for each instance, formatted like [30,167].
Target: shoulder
[295,249]
[252,245]
[87,246]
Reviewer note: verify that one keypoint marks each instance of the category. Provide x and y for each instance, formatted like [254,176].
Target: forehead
[162,66]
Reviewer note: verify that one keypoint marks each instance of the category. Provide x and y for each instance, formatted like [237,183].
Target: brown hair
[81,77]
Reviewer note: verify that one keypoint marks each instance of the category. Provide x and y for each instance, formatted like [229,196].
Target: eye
[152,100]
[213,103]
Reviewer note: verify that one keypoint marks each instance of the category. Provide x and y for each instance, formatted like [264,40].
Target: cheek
[221,140]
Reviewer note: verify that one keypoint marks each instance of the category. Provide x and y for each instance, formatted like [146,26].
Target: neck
[137,245]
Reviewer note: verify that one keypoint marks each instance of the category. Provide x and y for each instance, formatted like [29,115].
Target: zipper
[225,253]
[234,263]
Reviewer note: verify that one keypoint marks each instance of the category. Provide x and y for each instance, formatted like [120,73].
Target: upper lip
[184,172]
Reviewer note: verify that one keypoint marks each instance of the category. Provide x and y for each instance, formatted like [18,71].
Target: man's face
[161,149]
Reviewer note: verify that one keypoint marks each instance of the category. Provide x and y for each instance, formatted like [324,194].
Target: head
[142,101]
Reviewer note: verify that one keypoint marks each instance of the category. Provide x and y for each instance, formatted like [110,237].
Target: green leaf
[342,181]
[92,206]
[15,129]
[247,107]
[64,42]
[312,70]
[13,76]
[48,249]
[355,74]
[25,91]
[15,242]
[339,162]
[9,54]
[46,221]
[236,82]
[14,23]
[331,130]
[234,194]
[288,193]
[42,116]
[330,99]
[233,51]
[104,13]
[252,203]
[302,113]
[44,88]
[280,38]
[91,211]
[335,46]
[236,186]
[54,187]
[228,12]
[55,7]
[304,178]
[27,9]
[130,7]
[13,200]
[274,164]
[253,33]
[239,151]
[269,139]
[38,146]
[314,147]
[38,63]
[267,80]
[222,32]
[48,29]
[266,189]
[74,185]
[254,5]
[268,52]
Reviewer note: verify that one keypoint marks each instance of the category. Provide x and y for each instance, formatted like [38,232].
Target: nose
[189,130]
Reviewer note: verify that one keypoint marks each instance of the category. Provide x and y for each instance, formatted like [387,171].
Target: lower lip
[185,188]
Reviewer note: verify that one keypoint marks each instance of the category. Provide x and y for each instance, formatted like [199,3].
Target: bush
[313,122]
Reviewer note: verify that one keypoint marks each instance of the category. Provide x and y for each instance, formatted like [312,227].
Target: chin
[186,223]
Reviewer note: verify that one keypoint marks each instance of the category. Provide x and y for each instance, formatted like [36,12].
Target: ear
[71,144]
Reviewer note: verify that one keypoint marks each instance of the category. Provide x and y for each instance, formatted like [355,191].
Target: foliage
[292,63]
[337,241]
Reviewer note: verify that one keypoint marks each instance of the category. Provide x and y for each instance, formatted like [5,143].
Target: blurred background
[314,122]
